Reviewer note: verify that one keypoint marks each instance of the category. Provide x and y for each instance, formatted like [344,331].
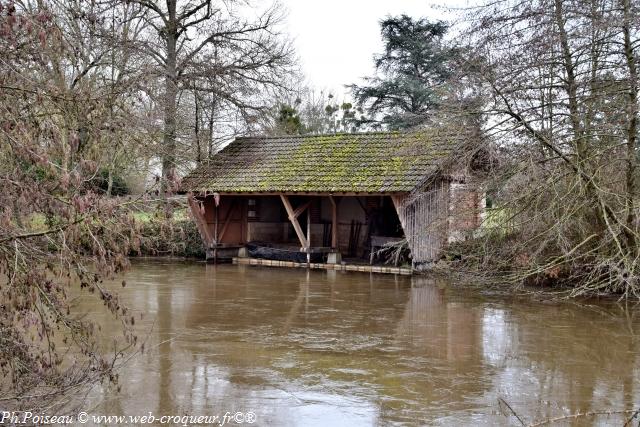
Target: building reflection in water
[310,348]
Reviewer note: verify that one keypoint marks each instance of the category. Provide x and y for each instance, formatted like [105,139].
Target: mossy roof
[380,162]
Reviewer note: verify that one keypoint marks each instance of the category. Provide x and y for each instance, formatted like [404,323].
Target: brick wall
[464,211]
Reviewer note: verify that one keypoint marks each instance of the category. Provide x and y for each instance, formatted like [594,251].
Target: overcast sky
[336,39]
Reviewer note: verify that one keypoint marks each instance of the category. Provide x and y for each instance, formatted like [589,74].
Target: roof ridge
[312,135]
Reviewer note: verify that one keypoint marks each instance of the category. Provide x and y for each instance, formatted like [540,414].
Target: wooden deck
[324,266]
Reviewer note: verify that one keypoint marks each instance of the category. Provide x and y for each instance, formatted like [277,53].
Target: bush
[170,237]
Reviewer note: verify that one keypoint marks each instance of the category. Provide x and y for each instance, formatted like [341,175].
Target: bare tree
[62,96]
[77,98]
[562,102]
[211,47]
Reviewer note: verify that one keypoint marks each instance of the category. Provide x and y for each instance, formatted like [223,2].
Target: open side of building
[324,197]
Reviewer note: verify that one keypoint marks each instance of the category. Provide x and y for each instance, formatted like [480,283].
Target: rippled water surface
[323,348]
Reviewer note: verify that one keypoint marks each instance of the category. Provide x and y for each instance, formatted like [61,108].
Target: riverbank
[179,238]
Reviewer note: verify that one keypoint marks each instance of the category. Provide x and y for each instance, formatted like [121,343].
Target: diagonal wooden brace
[200,220]
[227,220]
[294,220]
[301,209]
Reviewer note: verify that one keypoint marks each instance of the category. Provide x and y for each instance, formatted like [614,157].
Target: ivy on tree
[306,116]
[288,121]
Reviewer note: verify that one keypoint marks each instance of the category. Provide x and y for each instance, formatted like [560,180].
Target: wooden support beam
[216,202]
[308,236]
[301,209]
[200,220]
[397,203]
[227,220]
[334,223]
[216,220]
[294,220]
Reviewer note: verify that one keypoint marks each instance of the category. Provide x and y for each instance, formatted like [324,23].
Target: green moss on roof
[365,162]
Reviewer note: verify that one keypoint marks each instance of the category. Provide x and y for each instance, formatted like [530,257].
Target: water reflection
[327,348]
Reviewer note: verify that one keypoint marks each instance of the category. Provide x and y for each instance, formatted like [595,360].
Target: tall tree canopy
[81,83]
[410,73]
[218,52]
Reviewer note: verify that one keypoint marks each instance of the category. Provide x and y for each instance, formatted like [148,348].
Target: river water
[319,348]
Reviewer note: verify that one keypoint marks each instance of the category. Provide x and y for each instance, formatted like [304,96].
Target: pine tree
[410,76]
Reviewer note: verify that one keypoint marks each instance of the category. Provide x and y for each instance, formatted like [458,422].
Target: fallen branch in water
[586,414]
[504,402]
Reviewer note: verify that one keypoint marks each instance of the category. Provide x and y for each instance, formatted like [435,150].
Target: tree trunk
[632,130]
[197,127]
[571,85]
[170,101]
[211,122]
[110,181]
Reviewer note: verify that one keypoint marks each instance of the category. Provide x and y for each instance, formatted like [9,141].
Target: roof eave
[296,193]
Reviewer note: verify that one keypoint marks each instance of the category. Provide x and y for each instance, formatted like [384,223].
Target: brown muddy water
[320,348]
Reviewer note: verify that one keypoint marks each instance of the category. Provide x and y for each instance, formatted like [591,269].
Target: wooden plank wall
[423,216]
[231,219]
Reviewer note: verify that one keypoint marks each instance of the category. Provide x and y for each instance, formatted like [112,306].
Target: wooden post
[334,223]
[308,248]
[408,227]
[215,229]
[397,203]
[294,220]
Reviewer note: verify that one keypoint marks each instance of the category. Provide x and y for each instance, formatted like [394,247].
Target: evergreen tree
[410,73]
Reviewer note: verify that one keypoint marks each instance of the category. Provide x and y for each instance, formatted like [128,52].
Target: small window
[252,212]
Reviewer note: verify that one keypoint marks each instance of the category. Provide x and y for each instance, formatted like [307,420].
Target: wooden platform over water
[324,266]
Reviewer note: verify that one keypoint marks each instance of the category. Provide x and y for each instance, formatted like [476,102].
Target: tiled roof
[381,162]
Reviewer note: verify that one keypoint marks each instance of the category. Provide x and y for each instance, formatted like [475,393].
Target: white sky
[336,39]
